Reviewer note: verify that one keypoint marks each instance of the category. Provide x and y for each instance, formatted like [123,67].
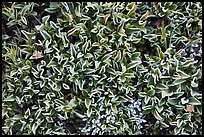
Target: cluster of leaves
[101,68]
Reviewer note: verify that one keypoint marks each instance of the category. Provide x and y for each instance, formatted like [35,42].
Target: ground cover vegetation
[107,68]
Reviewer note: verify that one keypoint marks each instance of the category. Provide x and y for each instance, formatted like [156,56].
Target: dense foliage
[106,68]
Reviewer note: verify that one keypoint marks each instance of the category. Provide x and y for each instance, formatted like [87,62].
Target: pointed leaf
[156,115]
[89,112]
[87,103]
[88,55]
[194,101]
[118,56]
[173,101]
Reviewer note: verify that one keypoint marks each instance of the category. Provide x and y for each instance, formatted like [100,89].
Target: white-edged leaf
[37,113]
[129,75]
[167,93]
[65,86]
[9,99]
[182,74]
[178,81]
[118,56]
[88,55]
[79,115]
[194,101]
[45,19]
[24,20]
[87,103]
[156,115]
[59,133]
[106,57]
[39,27]
[89,112]
[34,127]
[26,34]
[173,101]
[133,64]
[135,56]
[114,108]
[45,35]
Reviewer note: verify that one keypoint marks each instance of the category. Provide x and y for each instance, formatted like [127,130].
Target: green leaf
[178,94]
[45,19]
[39,27]
[71,7]
[121,30]
[51,10]
[162,86]
[151,92]
[173,101]
[179,122]
[132,8]
[123,99]
[135,40]
[106,57]
[79,115]
[178,81]
[9,99]
[123,68]
[118,56]
[45,35]
[129,75]
[37,113]
[53,25]
[73,50]
[173,7]
[65,86]
[89,112]
[81,83]
[160,53]
[85,46]
[147,111]
[72,103]
[133,64]
[103,70]
[199,109]
[59,133]
[167,93]
[87,103]
[77,11]
[5,37]
[146,99]
[106,18]
[150,37]
[177,130]
[193,83]
[88,55]
[34,128]
[162,101]
[26,34]
[24,20]
[164,124]
[186,116]
[194,101]
[141,28]
[114,108]
[75,31]
[89,71]
[163,30]
[159,108]
[135,56]
[144,16]
[182,75]
[156,115]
